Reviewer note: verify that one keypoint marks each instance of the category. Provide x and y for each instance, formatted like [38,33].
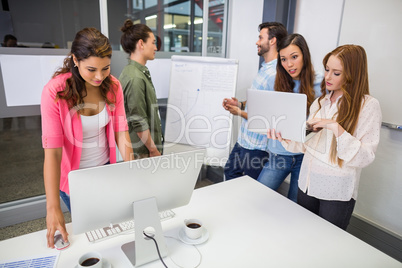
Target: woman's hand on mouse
[55,221]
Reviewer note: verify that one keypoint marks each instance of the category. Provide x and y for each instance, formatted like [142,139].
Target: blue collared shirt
[264,80]
[274,146]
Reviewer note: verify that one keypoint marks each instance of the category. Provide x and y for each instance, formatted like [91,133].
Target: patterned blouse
[321,178]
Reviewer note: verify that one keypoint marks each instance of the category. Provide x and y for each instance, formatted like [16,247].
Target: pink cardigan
[62,127]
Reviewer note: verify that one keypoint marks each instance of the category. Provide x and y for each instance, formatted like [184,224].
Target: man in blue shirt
[249,154]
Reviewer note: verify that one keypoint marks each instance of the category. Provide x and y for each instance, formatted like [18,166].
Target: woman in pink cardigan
[83,119]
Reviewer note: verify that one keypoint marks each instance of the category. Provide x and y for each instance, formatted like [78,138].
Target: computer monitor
[137,189]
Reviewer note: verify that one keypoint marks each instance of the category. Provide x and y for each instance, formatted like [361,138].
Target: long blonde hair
[355,85]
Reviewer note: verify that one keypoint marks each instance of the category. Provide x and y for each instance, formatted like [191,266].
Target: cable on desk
[157,248]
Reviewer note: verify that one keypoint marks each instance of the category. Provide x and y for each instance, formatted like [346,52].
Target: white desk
[249,226]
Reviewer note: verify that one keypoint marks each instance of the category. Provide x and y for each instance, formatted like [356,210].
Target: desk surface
[249,225]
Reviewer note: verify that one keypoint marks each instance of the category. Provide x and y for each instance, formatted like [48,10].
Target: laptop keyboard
[121,228]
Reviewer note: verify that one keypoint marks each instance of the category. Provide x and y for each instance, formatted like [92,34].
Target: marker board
[24,76]
[376,26]
[195,115]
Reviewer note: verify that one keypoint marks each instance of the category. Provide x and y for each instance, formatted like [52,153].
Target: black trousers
[336,212]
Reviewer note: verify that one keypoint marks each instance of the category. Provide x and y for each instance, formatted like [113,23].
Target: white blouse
[95,148]
[324,179]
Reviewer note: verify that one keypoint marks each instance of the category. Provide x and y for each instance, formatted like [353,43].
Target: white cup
[193,228]
[90,259]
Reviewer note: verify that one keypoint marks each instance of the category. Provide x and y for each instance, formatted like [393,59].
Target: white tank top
[95,149]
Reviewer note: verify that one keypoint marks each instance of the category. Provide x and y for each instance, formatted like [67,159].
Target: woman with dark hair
[140,100]
[82,121]
[347,124]
[295,74]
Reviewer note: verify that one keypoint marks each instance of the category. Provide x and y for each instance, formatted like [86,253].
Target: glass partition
[49,23]
[177,24]
[216,30]
[38,27]
[53,24]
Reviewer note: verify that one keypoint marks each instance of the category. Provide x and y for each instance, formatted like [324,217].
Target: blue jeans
[336,212]
[278,168]
[66,199]
[245,162]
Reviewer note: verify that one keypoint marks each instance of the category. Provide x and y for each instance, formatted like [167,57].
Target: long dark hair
[132,33]
[284,82]
[89,42]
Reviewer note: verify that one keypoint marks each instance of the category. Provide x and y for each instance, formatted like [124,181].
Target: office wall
[319,27]
[243,21]
[387,23]
[242,36]
[379,201]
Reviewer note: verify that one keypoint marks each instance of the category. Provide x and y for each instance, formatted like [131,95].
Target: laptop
[284,111]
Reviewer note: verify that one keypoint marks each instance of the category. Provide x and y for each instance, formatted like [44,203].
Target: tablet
[284,111]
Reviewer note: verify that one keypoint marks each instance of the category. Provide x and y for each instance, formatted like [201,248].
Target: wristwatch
[241,105]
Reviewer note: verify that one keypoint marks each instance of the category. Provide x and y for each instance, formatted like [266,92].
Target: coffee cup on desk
[193,228]
[90,259]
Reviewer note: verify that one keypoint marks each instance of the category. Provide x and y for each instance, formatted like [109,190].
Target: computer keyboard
[121,228]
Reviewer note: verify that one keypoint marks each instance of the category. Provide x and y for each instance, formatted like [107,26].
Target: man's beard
[263,50]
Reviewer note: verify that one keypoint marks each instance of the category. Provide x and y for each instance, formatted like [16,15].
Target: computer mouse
[59,242]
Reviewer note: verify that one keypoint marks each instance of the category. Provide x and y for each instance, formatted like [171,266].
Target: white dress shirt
[324,179]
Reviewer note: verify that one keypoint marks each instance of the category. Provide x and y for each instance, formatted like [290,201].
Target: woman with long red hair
[346,124]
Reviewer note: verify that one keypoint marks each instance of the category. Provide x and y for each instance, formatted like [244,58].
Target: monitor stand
[143,249]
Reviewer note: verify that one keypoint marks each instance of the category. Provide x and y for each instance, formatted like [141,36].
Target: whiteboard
[195,115]
[376,26]
[24,76]
[160,73]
